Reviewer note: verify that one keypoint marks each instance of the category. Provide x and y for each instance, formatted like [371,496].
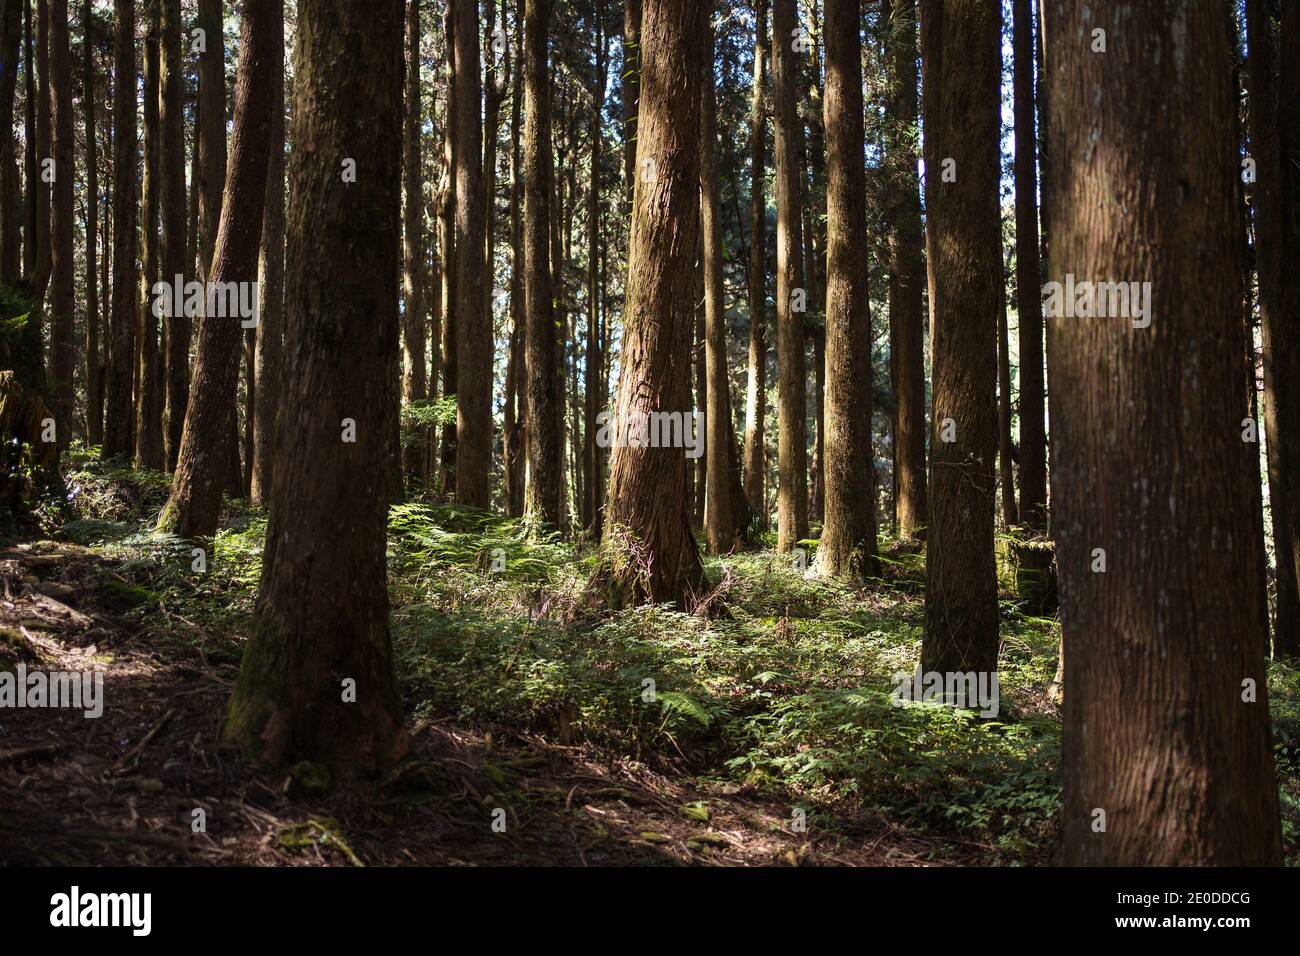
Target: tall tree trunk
[63,352]
[650,552]
[542,495]
[756,380]
[516,399]
[414,383]
[1029,300]
[1272,122]
[847,549]
[1157,489]
[173,221]
[474,335]
[317,679]
[905,245]
[631,90]
[447,243]
[593,387]
[11,33]
[119,424]
[149,398]
[211,139]
[1006,473]
[94,381]
[962,63]
[269,360]
[193,509]
[792,387]
[39,187]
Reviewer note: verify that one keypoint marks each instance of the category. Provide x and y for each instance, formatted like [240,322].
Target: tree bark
[756,374]
[63,352]
[150,398]
[593,387]
[174,206]
[516,399]
[414,382]
[1151,471]
[321,629]
[962,65]
[631,90]
[1006,473]
[94,379]
[193,509]
[11,32]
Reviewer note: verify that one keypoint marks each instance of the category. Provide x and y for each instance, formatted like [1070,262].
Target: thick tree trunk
[174,226]
[149,397]
[474,332]
[847,549]
[631,90]
[1165,760]
[907,278]
[414,383]
[542,495]
[1029,300]
[1273,121]
[194,507]
[119,425]
[650,552]
[792,387]
[269,360]
[63,352]
[317,679]
[756,379]
[961,52]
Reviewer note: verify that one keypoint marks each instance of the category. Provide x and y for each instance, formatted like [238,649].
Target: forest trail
[123,788]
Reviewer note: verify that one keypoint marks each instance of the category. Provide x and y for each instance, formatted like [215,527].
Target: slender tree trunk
[1029,301]
[542,495]
[11,32]
[149,397]
[516,374]
[317,679]
[269,360]
[847,549]
[631,89]
[211,129]
[194,507]
[1159,490]
[1279,299]
[1006,473]
[94,382]
[474,335]
[961,49]
[119,424]
[593,388]
[650,552]
[39,186]
[756,384]
[63,351]
[173,222]
[792,387]
[414,383]
[447,241]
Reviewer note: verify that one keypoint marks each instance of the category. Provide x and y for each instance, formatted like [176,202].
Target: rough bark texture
[322,615]
[150,398]
[195,503]
[1148,459]
[177,328]
[63,353]
[650,552]
[961,50]
[474,332]
[631,89]
[119,424]
[542,494]
[792,387]
[905,245]
[269,360]
[1275,201]
[756,378]
[1029,301]
[847,549]
[414,380]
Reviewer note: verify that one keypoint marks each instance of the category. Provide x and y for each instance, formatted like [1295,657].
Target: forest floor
[763,732]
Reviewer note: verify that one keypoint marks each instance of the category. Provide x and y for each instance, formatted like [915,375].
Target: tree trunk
[1152,475]
[211,136]
[847,549]
[414,383]
[447,242]
[474,332]
[11,32]
[905,245]
[173,221]
[1006,473]
[650,552]
[119,425]
[631,90]
[593,386]
[542,495]
[756,383]
[1279,299]
[63,352]
[962,65]
[269,360]
[194,507]
[792,386]
[516,399]
[317,679]
[149,398]
[94,382]
[1029,300]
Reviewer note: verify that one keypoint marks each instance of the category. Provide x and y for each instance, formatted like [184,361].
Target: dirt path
[134,785]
